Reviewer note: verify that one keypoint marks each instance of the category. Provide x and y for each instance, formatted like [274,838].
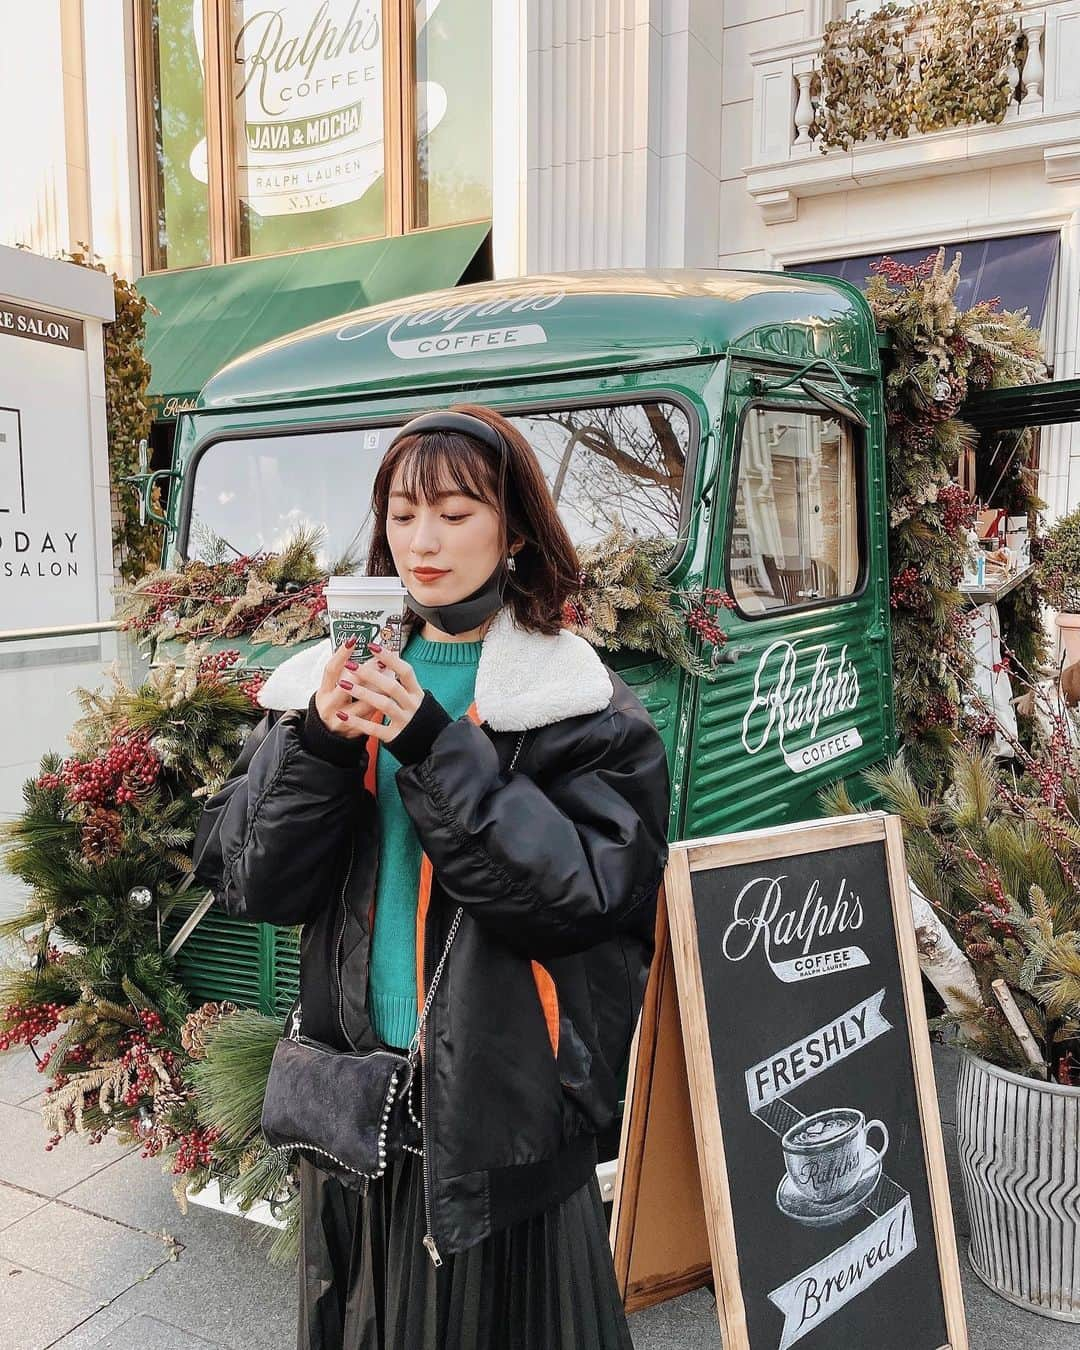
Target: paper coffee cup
[368,608]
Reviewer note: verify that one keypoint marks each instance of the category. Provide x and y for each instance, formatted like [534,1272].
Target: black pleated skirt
[367,1282]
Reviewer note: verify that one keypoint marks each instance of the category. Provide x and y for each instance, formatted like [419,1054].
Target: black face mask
[471,612]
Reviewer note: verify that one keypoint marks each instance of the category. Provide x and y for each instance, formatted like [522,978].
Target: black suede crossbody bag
[348,1112]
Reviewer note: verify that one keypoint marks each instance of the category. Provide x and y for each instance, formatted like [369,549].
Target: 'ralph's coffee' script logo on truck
[454,330]
[792,699]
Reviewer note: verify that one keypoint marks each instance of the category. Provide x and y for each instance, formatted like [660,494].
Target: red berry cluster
[1052,785]
[251,688]
[982,723]
[908,592]
[903,274]
[573,614]
[940,712]
[317,604]
[151,1021]
[957,509]
[701,616]
[136,1059]
[700,621]
[163,599]
[215,664]
[992,909]
[24,1025]
[128,767]
[194,1150]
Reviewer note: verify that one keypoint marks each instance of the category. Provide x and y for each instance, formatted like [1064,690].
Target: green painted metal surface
[500,330]
[716,342]
[207,316]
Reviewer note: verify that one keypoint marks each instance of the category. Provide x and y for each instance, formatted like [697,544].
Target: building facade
[1006,193]
[231,154]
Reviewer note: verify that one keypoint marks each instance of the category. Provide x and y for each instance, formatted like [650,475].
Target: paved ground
[95,1253]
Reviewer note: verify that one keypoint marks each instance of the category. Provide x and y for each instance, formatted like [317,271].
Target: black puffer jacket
[557,865]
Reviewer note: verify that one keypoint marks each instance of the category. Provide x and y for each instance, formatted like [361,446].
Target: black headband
[463,423]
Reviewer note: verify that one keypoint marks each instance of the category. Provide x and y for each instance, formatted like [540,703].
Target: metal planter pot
[1019,1145]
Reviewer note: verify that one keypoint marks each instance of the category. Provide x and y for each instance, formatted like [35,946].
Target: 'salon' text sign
[814,1110]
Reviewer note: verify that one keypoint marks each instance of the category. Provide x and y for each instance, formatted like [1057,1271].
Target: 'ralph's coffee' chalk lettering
[763,918]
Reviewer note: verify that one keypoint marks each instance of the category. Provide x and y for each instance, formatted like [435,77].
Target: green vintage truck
[738,413]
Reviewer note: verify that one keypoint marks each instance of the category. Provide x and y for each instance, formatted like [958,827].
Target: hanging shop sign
[819,1202]
[38,325]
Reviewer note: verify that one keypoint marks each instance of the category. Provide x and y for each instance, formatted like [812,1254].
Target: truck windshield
[617,461]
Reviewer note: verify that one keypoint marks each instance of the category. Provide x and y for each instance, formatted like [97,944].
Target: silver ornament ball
[140,897]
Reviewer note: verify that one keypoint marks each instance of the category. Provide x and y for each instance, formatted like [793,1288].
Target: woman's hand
[384,686]
[338,696]
[353,698]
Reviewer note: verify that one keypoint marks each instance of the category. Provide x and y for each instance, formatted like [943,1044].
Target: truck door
[803,691]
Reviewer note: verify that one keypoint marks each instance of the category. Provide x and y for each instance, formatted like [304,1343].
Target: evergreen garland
[103,846]
[936,355]
[624,602]
[271,597]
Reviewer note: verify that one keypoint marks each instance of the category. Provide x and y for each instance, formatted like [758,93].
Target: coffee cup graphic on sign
[370,609]
[831,1165]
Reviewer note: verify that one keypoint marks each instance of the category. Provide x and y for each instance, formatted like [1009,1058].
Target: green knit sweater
[448,671]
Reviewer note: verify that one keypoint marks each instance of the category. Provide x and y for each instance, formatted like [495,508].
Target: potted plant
[995,866]
[1059,575]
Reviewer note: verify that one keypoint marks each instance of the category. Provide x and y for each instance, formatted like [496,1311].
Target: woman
[518,778]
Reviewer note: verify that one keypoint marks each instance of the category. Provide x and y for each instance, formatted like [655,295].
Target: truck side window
[795,535]
[616,461]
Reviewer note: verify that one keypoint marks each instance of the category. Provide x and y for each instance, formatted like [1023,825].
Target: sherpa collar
[524,680]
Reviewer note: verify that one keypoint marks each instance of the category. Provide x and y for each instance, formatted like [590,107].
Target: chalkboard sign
[811,1088]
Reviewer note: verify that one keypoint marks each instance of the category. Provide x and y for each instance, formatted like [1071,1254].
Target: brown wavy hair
[546,569]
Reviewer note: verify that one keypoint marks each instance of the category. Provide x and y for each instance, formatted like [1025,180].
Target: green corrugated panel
[221,958]
[286,975]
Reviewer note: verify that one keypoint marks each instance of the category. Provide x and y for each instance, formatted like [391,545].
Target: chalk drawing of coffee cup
[831,1165]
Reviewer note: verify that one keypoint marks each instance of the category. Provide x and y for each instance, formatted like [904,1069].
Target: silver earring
[511,565]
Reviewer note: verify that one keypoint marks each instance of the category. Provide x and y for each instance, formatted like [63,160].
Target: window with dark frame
[795,535]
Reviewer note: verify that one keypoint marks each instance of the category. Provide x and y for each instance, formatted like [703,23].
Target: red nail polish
[374,647]
[350,641]
[343,716]
[345,684]
[352,665]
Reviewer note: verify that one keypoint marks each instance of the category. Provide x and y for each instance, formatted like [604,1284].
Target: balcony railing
[1042,118]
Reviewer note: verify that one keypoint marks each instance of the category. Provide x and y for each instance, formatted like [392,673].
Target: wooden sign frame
[677,949]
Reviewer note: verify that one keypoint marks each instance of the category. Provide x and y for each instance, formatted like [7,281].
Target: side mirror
[143,484]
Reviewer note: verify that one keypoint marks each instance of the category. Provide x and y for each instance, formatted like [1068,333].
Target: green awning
[207,316]
[1024,405]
